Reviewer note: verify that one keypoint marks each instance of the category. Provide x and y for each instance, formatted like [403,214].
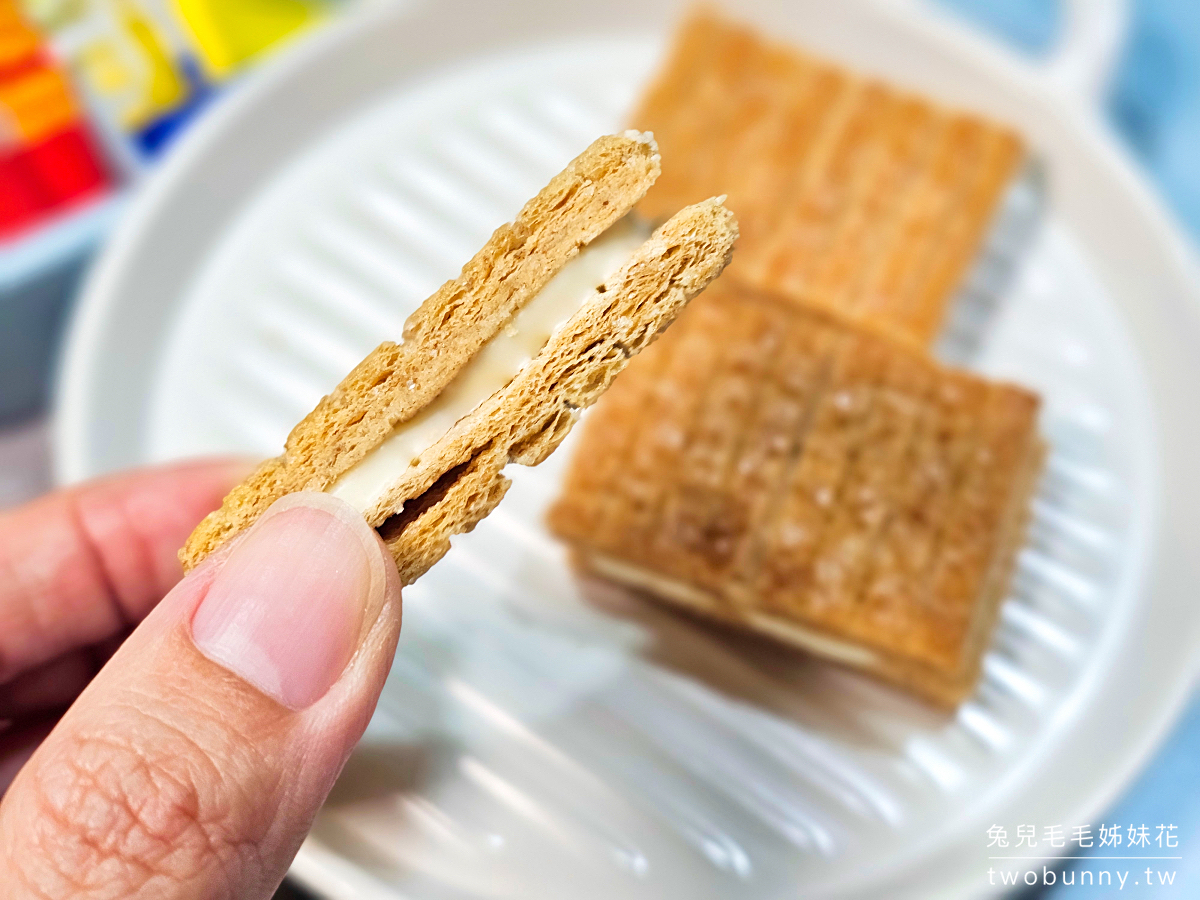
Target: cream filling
[783,629]
[496,364]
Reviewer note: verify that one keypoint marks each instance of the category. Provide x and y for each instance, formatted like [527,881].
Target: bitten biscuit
[784,471]
[455,480]
[853,196]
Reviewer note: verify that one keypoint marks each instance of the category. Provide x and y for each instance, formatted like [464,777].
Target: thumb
[195,762]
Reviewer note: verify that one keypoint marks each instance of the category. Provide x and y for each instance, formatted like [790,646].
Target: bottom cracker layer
[767,466]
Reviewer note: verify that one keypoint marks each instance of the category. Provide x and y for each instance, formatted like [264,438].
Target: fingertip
[296,598]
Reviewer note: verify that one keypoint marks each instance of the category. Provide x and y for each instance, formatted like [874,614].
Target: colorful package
[149,65]
[48,158]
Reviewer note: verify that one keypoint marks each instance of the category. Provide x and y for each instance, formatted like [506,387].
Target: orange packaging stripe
[38,103]
[18,42]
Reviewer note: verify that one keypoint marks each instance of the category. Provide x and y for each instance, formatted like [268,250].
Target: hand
[194,762]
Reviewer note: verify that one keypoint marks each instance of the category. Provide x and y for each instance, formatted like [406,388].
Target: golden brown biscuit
[454,480]
[853,196]
[783,470]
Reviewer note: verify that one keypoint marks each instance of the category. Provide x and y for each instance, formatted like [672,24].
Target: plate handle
[1081,66]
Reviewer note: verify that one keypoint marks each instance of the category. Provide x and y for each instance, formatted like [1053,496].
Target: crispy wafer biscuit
[822,483]
[852,195]
[444,485]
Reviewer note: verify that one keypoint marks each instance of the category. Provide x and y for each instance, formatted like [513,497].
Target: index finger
[81,564]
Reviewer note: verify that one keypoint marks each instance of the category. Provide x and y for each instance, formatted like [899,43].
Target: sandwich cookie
[812,481]
[853,195]
[495,367]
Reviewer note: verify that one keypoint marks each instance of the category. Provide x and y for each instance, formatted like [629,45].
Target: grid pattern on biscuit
[790,465]
[852,195]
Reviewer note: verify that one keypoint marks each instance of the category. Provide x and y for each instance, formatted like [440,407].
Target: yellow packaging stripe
[227,33]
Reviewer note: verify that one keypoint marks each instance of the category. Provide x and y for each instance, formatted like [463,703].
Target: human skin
[174,737]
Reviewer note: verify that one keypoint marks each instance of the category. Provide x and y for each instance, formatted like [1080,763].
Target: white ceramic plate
[545,738]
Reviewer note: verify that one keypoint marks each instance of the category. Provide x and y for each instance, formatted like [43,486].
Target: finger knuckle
[132,811]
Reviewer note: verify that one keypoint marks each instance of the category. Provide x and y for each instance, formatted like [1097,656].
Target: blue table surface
[1154,106]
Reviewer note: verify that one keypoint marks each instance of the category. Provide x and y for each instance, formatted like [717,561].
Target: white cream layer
[494,366]
[791,632]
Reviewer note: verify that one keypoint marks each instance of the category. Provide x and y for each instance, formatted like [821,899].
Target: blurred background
[95,93]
